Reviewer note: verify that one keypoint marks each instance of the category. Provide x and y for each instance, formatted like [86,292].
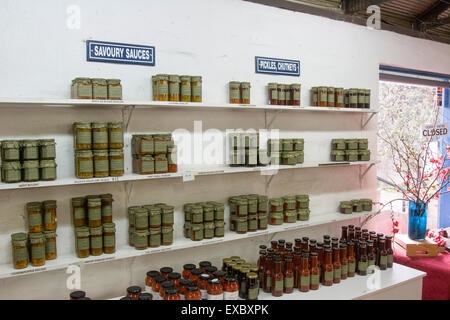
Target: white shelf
[70,103]
[355,287]
[62,262]
[269,170]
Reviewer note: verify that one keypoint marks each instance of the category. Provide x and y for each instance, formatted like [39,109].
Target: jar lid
[47,142]
[185,78]
[29,143]
[145,296]
[34,205]
[81,80]
[346,204]
[234,83]
[296,86]
[115,125]
[302,197]
[78,201]
[134,289]
[11,165]
[185,282]
[196,271]
[77,294]
[220,273]
[214,281]
[167,284]
[96,231]
[152,273]
[252,275]
[204,276]
[205,264]
[196,79]
[337,152]
[166,270]
[106,196]
[193,288]
[82,125]
[10,144]
[159,279]
[331,89]
[20,236]
[162,76]
[84,153]
[174,275]
[171,290]
[113,81]
[29,164]
[276,202]
[49,234]
[174,78]
[245,84]
[36,238]
[98,81]
[210,269]
[245,270]
[109,227]
[272,85]
[99,125]
[94,201]
[289,198]
[49,204]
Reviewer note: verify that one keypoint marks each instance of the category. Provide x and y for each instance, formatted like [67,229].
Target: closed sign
[435,132]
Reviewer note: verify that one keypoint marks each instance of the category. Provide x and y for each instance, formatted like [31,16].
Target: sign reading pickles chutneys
[111,52]
[277,66]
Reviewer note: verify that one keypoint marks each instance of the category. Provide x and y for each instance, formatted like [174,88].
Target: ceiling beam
[353,6]
[431,14]
[438,23]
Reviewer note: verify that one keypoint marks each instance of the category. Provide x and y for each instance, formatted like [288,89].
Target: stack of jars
[350,150]
[39,244]
[340,98]
[309,263]
[154,153]
[248,213]
[173,87]
[290,151]
[284,94]
[97,88]
[246,276]
[98,149]
[245,151]
[289,209]
[150,225]
[239,92]
[28,160]
[204,220]
[95,232]
[357,205]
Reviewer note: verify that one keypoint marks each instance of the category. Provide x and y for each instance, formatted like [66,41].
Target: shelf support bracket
[127,112]
[364,124]
[362,174]
[269,124]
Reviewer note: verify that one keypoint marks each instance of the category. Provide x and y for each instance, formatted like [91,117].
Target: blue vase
[417,221]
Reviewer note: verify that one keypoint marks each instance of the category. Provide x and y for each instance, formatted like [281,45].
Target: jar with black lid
[145,296]
[210,270]
[187,268]
[165,271]
[134,292]
[174,277]
[76,295]
[204,264]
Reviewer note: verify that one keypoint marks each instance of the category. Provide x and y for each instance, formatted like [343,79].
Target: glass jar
[140,219]
[155,237]
[323,96]
[295,94]
[174,87]
[30,149]
[82,242]
[230,289]
[82,133]
[164,286]
[140,240]
[331,97]
[214,289]
[234,92]
[193,293]
[186,88]
[339,94]
[114,89]
[245,92]
[252,286]
[273,93]
[11,171]
[353,98]
[115,135]
[149,280]
[109,237]
[195,275]
[134,292]
[106,200]
[81,88]
[37,248]
[367,99]
[19,243]
[84,164]
[99,135]
[30,170]
[101,163]
[10,150]
[196,86]
[96,240]
[203,285]
[47,170]
[116,163]
[50,245]
[166,235]
[155,216]
[94,212]
[145,296]
[174,277]
[172,294]
[78,211]
[156,286]
[167,218]
[34,213]
[161,164]
[314,96]
[49,215]
[99,89]
[187,268]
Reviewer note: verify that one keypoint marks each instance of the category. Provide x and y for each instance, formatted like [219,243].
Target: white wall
[215,39]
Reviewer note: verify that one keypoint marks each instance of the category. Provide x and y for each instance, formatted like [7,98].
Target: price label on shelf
[188,176]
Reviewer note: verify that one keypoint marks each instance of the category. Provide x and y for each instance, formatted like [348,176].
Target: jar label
[96,242]
[351,267]
[323,96]
[101,166]
[344,269]
[109,241]
[204,294]
[174,88]
[20,254]
[155,240]
[245,94]
[94,213]
[234,295]
[106,211]
[163,89]
[288,95]
[50,246]
[337,273]
[147,166]
[353,99]
[371,262]
[361,98]
[34,220]
[208,215]
[268,282]
[115,92]
[147,146]
[215,296]
[83,243]
[48,173]
[235,94]
[100,136]
[328,276]
[296,95]
[304,281]
[86,166]
[116,164]
[148,289]
[167,237]
[242,226]
[37,252]
[279,285]
[156,296]
[79,213]
[274,94]
[31,153]
[315,279]
[155,220]
[12,175]
[243,287]
[141,221]
[219,215]
[84,91]
[161,166]
[362,266]
[167,218]
[100,91]
[390,258]
[281,95]
[116,137]
[11,154]
[383,260]
[49,217]
[185,90]
[31,174]
[140,241]
[289,282]
[340,99]
[84,137]
[196,91]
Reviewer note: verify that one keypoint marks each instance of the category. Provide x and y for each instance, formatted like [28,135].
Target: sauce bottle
[288,274]
[336,266]
[334,242]
[390,252]
[319,251]
[383,254]
[357,232]
[351,260]
[344,261]
[261,264]
[267,287]
[371,254]
[277,279]
[289,245]
[315,272]
[298,248]
[351,233]
[328,269]
[305,275]
[274,244]
[363,259]
[298,242]
[297,268]
[344,233]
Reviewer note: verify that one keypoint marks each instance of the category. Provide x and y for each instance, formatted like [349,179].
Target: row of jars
[98,135]
[349,144]
[94,241]
[239,92]
[33,248]
[173,87]
[92,211]
[21,150]
[340,98]
[350,155]
[151,144]
[356,205]
[28,171]
[248,213]
[247,140]
[290,144]
[150,226]
[284,94]
[204,220]
[96,88]
[99,163]
[289,209]
[41,216]
[350,150]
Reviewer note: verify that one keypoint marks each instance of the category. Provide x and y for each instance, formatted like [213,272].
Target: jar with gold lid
[96,240]
[82,133]
[115,135]
[101,163]
[99,135]
[84,164]
[37,249]
[20,256]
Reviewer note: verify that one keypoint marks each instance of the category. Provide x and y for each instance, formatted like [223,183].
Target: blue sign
[277,66]
[112,52]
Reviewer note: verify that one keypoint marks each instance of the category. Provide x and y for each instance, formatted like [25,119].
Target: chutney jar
[116,163]
[82,134]
[323,96]
[315,96]
[161,164]
[337,155]
[167,215]
[339,94]
[140,239]
[196,231]
[241,225]
[276,205]
[99,89]
[20,257]
[82,242]
[101,163]
[109,237]
[30,149]
[289,203]
[208,230]
[107,201]
[302,201]
[99,135]
[361,98]
[208,213]
[366,204]
[160,144]
[219,228]
[288,158]
[174,87]
[241,207]
[47,149]
[290,216]
[50,245]
[10,150]
[252,222]
[331,99]
[219,210]
[338,144]
[346,207]
[196,214]
[131,212]
[143,144]
[30,170]
[94,212]
[34,214]
[346,98]
[47,170]
[245,92]
[262,221]
[295,94]
[298,144]
[187,229]
[162,87]
[96,240]
[81,88]
[281,88]
[357,205]
[141,221]
[37,249]
[11,171]
[114,89]
[252,204]
[50,219]
[351,155]
[299,157]
[185,88]
[143,164]
[363,144]
[364,155]
[172,159]
[84,164]
[79,211]
[276,218]
[273,93]
[166,235]
[196,88]
[115,135]
[353,98]
[154,237]
[155,216]
[234,92]
[187,207]
[351,144]
[303,214]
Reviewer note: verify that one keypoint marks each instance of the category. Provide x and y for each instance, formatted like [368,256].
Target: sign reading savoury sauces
[100,51]
[277,66]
